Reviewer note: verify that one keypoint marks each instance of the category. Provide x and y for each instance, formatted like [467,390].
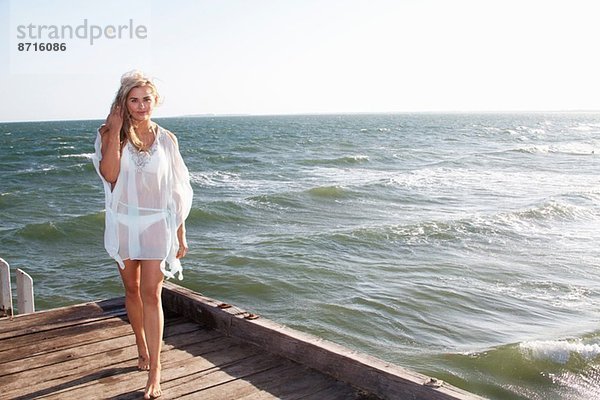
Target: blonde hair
[129,81]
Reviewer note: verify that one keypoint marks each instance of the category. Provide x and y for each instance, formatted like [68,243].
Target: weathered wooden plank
[228,381]
[182,360]
[261,395]
[6,305]
[18,347]
[201,373]
[25,299]
[339,391]
[276,383]
[287,381]
[367,373]
[19,352]
[51,369]
[50,319]
[102,367]
[303,383]
[60,324]
[193,375]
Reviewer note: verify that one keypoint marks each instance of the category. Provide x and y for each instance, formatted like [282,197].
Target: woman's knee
[151,283]
[131,278]
[132,289]
[151,296]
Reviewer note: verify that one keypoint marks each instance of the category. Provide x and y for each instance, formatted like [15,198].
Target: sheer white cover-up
[150,200]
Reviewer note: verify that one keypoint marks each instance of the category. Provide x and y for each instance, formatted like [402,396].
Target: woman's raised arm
[110,163]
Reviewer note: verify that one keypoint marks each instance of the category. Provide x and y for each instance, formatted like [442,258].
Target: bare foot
[153,390]
[143,357]
[143,363]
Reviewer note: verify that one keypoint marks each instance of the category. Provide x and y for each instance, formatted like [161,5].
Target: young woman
[148,197]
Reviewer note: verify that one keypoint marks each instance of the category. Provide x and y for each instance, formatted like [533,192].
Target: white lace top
[150,200]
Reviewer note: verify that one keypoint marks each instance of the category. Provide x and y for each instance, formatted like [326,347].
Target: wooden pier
[211,351]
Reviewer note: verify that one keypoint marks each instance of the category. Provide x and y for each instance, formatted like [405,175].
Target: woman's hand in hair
[110,132]
[114,121]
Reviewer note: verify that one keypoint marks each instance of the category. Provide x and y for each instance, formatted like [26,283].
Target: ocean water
[463,246]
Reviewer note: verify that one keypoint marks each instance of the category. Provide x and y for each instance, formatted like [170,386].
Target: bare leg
[151,289]
[131,277]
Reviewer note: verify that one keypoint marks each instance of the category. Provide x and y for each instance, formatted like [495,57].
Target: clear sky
[309,56]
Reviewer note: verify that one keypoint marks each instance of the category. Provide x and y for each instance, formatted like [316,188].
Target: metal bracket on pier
[434,382]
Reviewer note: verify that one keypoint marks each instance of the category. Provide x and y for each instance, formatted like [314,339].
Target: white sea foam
[575,148]
[490,181]
[560,296]
[357,157]
[87,156]
[526,132]
[559,351]
[351,176]
[582,127]
[215,178]
[230,180]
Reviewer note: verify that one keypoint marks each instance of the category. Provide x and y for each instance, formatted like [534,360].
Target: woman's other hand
[183,247]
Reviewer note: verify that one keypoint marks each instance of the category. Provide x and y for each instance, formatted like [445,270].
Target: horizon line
[226,115]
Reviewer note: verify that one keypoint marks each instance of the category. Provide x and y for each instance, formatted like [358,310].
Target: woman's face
[140,103]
